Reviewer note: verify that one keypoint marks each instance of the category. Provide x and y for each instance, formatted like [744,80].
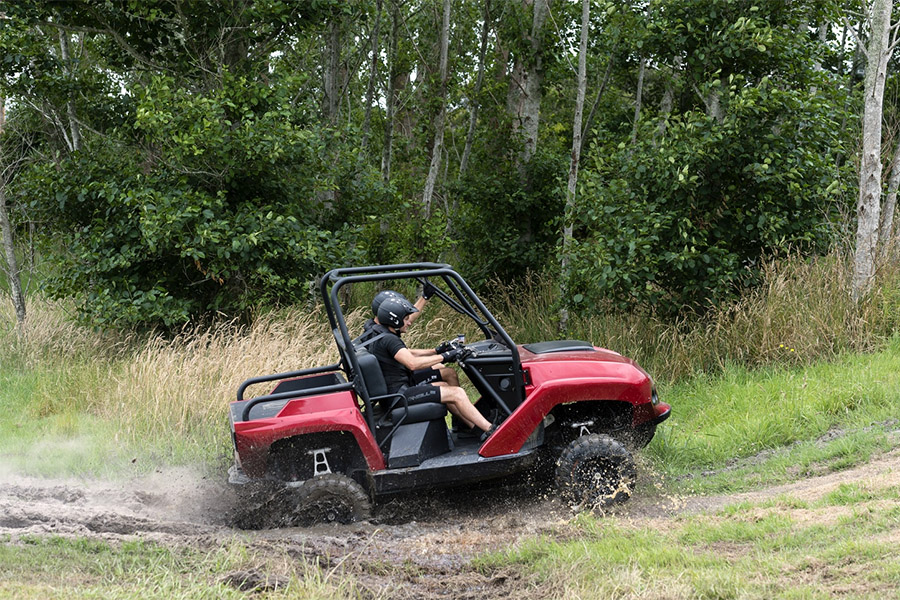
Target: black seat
[373,379]
[416,433]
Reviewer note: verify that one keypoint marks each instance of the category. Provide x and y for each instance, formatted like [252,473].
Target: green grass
[57,567]
[780,418]
[748,551]
[51,425]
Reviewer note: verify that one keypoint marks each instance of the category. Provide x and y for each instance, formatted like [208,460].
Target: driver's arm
[422,351]
[411,361]
[420,304]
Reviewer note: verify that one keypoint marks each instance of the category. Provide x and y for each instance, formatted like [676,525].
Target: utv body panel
[573,374]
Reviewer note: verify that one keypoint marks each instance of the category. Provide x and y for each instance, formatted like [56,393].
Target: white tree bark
[332,78]
[74,127]
[638,99]
[574,163]
[886,231]
[868,207]
[438,146]
[526,85]
[13,273]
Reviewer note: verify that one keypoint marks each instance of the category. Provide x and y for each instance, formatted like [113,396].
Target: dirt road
[415,548]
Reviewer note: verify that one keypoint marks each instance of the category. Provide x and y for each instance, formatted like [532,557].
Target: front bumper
[664,411]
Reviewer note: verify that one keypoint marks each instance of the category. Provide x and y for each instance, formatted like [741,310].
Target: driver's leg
[457,402]
[436,376]
[449,376]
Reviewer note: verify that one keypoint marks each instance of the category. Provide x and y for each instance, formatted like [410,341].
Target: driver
[398,364]
[437,375]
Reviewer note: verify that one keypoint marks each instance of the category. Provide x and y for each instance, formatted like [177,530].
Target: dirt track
[415,548]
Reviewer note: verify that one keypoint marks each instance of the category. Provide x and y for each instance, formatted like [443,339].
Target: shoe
[488,433]
[464,433]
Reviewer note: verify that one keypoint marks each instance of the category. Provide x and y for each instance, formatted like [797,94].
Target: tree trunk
[373,75]
[573,166]
[473,101]
[387,152]
[13,274]
[638,98]
[666,104]
[331,102]
[526,85]
[438,146]
[74,127]
[886,231]
[869,204]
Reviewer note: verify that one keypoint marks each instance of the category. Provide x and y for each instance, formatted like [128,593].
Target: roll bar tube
[338,278]
[288,375]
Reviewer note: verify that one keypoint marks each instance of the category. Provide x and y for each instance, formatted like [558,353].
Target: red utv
[333,441]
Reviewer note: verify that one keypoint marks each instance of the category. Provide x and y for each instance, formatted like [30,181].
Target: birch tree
[71,113]
[878,53]
[438,146]
[526,83]
[576,157]
[13,273]
[886,231]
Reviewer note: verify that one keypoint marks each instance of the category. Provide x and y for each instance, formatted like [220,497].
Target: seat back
[371,374]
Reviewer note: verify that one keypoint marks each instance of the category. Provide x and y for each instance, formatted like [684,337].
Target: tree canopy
[191,157]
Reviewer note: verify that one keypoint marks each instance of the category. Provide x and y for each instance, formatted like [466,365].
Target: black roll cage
[463,301]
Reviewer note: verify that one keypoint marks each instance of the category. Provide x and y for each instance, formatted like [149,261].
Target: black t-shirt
[384,348]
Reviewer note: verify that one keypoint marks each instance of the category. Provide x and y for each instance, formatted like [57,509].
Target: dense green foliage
[739,162]
[222,155]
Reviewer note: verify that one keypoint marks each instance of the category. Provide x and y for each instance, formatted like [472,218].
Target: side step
[462,466]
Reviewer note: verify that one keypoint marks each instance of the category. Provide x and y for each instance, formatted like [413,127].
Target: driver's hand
[451,356]
[445,346]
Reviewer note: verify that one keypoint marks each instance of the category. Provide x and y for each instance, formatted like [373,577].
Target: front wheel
[331,498]
[595,471]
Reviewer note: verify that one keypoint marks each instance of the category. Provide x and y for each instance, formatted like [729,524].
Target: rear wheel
[331,498]
[595,471]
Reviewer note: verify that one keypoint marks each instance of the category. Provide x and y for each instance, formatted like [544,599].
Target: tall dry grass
[802,313]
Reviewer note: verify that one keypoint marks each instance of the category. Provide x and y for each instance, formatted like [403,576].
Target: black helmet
[393,310]
[381,297]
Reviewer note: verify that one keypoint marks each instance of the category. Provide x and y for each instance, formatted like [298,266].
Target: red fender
[253,438]
[562,380]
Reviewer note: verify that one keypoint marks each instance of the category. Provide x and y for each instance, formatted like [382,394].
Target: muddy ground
[415,547]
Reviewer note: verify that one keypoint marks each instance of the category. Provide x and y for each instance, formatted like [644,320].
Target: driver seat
[417,432]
